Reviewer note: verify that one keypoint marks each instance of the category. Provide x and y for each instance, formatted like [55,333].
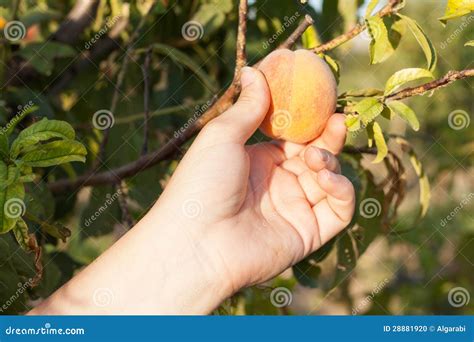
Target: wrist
[194,278]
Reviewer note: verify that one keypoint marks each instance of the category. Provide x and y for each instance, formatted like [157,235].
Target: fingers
[336,211]
[334,135]
[240,121]
[319,158]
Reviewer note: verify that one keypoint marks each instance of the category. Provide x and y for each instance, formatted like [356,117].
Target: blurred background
[413,266]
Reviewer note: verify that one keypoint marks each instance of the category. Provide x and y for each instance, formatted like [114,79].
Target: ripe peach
[303,95]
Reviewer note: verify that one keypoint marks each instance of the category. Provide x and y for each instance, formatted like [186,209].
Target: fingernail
[328,175]
[247,76]
[324,155]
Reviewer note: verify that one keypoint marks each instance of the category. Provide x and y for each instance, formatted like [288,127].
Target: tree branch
[120,79]
[389,9]
[450,77]
[297,33]
[222,104]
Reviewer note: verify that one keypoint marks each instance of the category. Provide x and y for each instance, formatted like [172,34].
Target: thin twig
[297,33]
[359,150]
[221,104]
[450,77]
[118,85]
[127,219]
[146,100]
[389,9]
[241,55]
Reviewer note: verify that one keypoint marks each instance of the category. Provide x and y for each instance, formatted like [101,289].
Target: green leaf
[352,122]
[21,234]
[55,153]
[368,109]
[310,38]
[457,8]
[346,257]
[425,193]
[4,149]
[423,40]
[39,132]
[333,65]
[17,119]
[212,15]
[380,46]
[370,7]
[404,76]
[41,55]
[469,43]
[382,148]
[406,113]
[12,205]
[183,59]
[368,92]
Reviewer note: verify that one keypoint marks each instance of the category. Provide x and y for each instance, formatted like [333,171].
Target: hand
[231,216]
[259,208]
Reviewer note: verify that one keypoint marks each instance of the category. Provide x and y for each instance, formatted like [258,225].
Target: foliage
[53,88]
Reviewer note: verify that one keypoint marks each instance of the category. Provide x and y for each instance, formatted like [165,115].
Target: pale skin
[232,216]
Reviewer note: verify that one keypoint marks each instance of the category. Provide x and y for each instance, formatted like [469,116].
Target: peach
[303,95]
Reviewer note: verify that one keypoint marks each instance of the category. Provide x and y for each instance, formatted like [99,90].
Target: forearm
[156,268]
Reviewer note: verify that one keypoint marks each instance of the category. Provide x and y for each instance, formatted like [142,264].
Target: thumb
[240,121]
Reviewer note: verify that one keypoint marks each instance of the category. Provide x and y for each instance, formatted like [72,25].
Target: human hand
[252,211]
[231,216]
